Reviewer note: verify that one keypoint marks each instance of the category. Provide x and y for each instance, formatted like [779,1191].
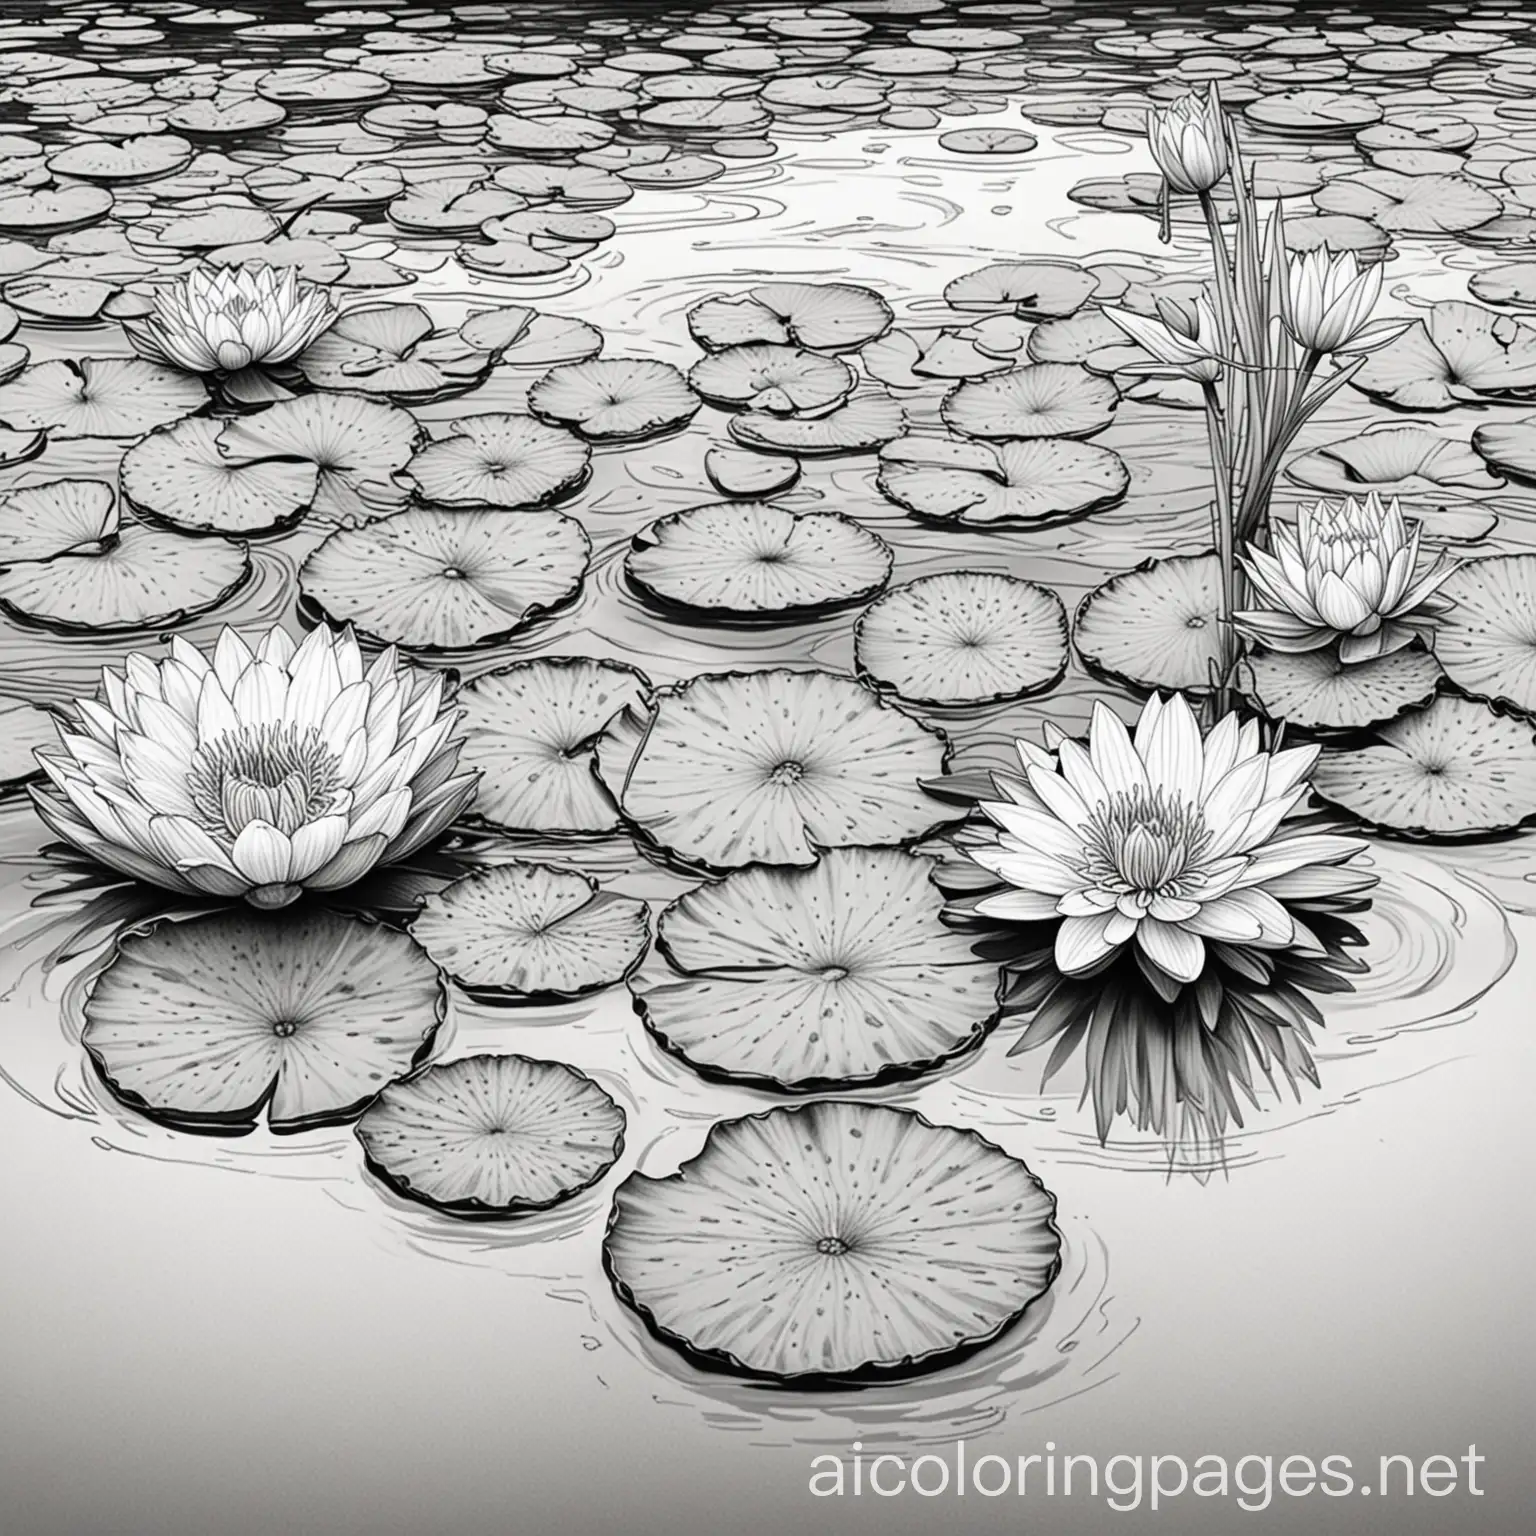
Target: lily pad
[143,157]
[868,419]
[1033,290]
[569,133]
[98,397]
[59,300]
[1033,483]
[501,460]
[1512,283]
[614,399]
[146,579]
[1460,768]
[833,1241]
[752,560]
[392,350]
[179,476]
[1412,462]
[1037,400]
[23,729]
[740,472]
[987,141]
[1313,114]
[842,975]
[762,376]
[1316,691]
[206,1024]
[1413,205]
[434,580]
[518,933]
[20,447]
[1487,641]
[824,317]
[357,445]
[1508,448]
[56,517]
[530,731]
[1456,352]
[52,210]
[963,637]
[1156,627]
[488,1137]
[771,767]
[225,117]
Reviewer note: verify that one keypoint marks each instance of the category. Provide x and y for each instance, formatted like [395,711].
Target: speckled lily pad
[1156,627]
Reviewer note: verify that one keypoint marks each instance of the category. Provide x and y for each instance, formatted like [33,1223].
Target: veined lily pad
[23,729]
[1031,483]
[1459,768]
[141,158]
[567,133]
[433,580]
[146,579]
[833,1241]
[576,186]
[52,210]
[841,975]
[1487,642]
[501,460]
[58,300]
[1414,205]
[1508,448]
[530,731]
[771,767]
[98,397]
[1313,114]
[1512,283]
[1316,691]
[740,472]
[206,1024]
[486,1137]
[177,475]
[1455,352]
[751,560]
[1156,627]
[1037,400]
[225,117]
[356,444]
[765,377]
[825,317]
[20,447]
[529,933]
[614,399]
[392,350]
[1412,462]
[963,637]
[868,419]
[1033,290]
[56,517]
[987,141]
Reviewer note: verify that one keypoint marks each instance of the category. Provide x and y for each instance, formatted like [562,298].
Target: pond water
[228,1334]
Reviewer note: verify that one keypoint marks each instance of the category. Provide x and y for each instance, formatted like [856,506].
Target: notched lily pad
[1156,627]
[501,460]
[868,419]
[1411,462]
[98,397]
[1456,352]
[1037,400]
[1316,691]
[1415,205]
[824,317]
[614,399]
[56,517]
[1487,641]
[762,376]
[1033,290]
[392,350]
[740,472]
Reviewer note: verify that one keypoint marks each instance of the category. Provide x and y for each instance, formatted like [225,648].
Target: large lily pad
[1412,462]
[868,419]
[208,1023]
[1456,352]
[1487,641]
[1411,205]
[392,350]
[1033,290]
[98,397]
[1313,114]
[841,975]
[52,210]
[56,517]
[1156,627]
[1037,400]
[762,376]
[833,1241]
[825,317]
[501,460]
[771,767]
[1316,691]
[614,399]
[143,157]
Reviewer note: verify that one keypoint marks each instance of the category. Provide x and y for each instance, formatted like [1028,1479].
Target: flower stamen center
[272,773]
[1144,842]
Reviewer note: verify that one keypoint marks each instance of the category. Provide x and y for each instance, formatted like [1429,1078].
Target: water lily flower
[1189,142]
[1184,344]
[1328,301]
[257,774]
[223,320]
[1349,573]
[1165,841]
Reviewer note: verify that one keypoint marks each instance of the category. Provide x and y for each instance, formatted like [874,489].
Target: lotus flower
[227,319]
[1189,142]
[257,774]
[1184,344]
[1349,573]
[1328,301]
[1165,841]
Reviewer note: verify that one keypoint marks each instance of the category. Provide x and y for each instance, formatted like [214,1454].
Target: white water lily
[1184,344]
[1189,142]
[1328,302]
[1350,573]
[225,319]
[257,774]
[1163,840]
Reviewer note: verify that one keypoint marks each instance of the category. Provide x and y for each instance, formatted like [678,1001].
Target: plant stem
[1221,477]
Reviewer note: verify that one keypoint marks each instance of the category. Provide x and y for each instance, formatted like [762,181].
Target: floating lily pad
[356,444]
[987,141]
[140,158]
[55,517]
[1508,448]
[762,376]
[1487,641]
[577,186]
[1033,290]
[740,472]
[501,460]
[225,117]
[206,1024]
[392,350]
[1512,283]
[530,731]
[98,397]
[1032,483]
[833,1241]
[842,975]
[486,1136]
[752,560]
[1156,627]
[568,133]
[20,447]
[178,475]
[825,317]
[1456,352]
[52,210]
[1414,205]
[23,729]
[435,580]
[1459,768]
[771,767]
[1412,462]
[146,579]
[1316,691]
[552,339]
[1313,114]
[868,419]
[59,300]
[529,933]
[614,399]
[1037,400]
[963,637]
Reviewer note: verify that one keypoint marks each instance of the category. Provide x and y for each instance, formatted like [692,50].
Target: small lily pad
[489,1137]
[1033,290]
[752,560]
[52,210]
[20,447]
[1037,400]
[98,397]
[205,1024]
[1508,448]
[24,728]
[842,975]
[59,300]
[55,517]
[868,419]
[762,376]
[963,638]
[987,141]
[1156,627]
[824,317]
[740,472]
[1487,641]
[501,460]
[1316,691]
[614,399]
[1456,352]
[520,933]
[530,731]
[434,580]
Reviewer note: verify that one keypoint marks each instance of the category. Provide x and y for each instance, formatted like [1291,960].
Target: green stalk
[1221,478]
